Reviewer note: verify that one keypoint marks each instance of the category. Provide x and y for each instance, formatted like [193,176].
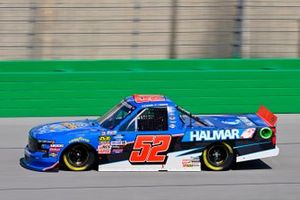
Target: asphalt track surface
[271,178]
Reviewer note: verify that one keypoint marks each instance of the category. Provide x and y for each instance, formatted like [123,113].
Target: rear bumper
[35,161]
[259,155]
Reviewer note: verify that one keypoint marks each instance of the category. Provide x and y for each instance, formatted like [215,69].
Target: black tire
[78,157]
[218,157]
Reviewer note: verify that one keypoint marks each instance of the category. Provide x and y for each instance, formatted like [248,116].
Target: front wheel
[218,157]
[78,157]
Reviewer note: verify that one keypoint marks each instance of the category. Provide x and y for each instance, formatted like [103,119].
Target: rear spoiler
[267,116]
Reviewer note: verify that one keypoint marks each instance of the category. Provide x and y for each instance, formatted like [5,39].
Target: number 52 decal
[150,149]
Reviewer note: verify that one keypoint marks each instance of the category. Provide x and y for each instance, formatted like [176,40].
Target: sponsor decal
[248,133]
[153,105]
[192,162]
[55,148]
[43,130]
[118,142]
[147,105]
[60,126]
[53,155]
[119,137]
[109,132]
[172,126]
[104,148]
[69,125]
[104,139]
[246,121]
[54,127]
[79,139]
[172,117]
[57,145]
[187,163]
[116,151]
[81,124]
[46,141]
[209,135]
[235,122]
[171,109]
[160,104]
[117,146]
[147,98]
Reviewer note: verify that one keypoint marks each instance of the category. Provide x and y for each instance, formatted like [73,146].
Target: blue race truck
[151,133]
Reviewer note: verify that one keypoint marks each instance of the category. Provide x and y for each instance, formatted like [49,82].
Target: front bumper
[37,162]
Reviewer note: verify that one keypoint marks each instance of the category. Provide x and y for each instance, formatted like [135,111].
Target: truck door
[149,132]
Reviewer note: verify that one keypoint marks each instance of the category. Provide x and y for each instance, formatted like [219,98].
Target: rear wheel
[218,157]
[78,157]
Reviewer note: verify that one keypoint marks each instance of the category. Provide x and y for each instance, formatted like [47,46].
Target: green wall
[64,88]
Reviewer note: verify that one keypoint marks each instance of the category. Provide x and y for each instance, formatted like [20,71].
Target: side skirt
[176,162]
[258,155]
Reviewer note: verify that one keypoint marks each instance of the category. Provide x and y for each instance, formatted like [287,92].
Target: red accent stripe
[51,167]
[177,135]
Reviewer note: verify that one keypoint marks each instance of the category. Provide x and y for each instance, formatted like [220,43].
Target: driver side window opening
[149,119]
[153,119]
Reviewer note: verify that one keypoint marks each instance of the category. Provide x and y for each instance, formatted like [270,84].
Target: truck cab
[143,114]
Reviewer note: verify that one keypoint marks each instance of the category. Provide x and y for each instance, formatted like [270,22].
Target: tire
[78,157]
[218,157]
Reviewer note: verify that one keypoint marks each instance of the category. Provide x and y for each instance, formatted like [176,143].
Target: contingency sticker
[104,148]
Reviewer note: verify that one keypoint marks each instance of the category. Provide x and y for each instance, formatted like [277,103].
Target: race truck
[151,133]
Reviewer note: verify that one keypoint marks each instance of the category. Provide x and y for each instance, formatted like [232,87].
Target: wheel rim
[217,155]
[78,156]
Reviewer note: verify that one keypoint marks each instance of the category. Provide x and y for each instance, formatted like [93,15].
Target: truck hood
[65,127]
[232,121]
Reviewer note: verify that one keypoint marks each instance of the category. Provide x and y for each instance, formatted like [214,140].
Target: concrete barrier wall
[131,29]
[64,88]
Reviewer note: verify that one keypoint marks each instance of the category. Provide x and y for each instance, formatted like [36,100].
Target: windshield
[117,114]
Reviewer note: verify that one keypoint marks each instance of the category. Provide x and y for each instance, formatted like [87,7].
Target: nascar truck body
[151,133]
